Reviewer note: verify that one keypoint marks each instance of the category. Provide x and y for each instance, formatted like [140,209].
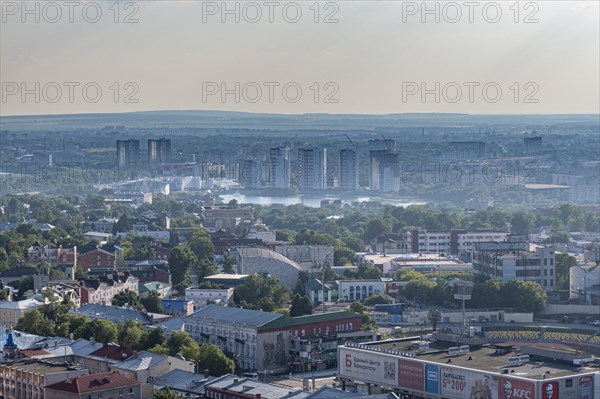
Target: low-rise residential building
[145,367]
[103,289]
[225,218]
[55,255]
[183,383]
[162,289]
[177,307]
[97,258]
[355,290]
[11,312]
[26,379]
[101,385]
[201,296]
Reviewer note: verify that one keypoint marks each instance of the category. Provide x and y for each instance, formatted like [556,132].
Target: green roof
[152,286]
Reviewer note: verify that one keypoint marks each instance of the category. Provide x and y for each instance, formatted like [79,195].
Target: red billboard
[509,388]
[411,374]
[550,390]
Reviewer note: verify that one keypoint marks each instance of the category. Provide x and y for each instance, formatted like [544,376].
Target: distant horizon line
[297,114]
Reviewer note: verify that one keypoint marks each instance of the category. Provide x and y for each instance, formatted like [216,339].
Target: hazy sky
[377,58]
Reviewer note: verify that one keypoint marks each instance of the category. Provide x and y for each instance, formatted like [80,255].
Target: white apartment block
[451,242]
[352,290]
[201,296]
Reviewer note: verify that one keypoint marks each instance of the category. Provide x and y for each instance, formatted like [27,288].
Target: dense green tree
[127,297]
[152,302]
[524,296]
[201,244]
[205,268]
[558,237]
[165,393]
[159,349]
[378,299]
[375,227]
[178,340]
[301,305]
[259,292]
[155,336]
[521,223]
[563,263]
[132,334]
[213,359]
[100,329]
[180,265]
[367,321]
[229,264]
[300,287]
[35,322]
[284,235]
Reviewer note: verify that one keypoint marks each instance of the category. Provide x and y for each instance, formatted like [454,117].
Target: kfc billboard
[550,390]
[510,388]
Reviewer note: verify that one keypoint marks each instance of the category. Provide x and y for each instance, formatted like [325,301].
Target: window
[568,383]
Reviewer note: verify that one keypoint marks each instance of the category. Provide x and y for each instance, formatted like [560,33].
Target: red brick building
[97,258]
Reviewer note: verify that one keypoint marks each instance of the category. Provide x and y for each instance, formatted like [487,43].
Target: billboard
[510,388]
[410,374]
[373,367]
[586,387]
[461,383]
[432,379]
[550,390]
[381,369]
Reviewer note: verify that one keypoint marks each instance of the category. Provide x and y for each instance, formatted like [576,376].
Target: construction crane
[351,142]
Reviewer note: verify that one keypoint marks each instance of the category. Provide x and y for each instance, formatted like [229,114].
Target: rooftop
[93,382]
[226,276]
[236,315]
[42,366]
[185,381]
[142,361]
[485,358]
[114,314]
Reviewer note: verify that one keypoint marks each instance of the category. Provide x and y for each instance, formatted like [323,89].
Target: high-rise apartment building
[159,152]
[349,166]
[280,167]
[128,152]
[312,165]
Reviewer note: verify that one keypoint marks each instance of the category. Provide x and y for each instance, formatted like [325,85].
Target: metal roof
[235,315]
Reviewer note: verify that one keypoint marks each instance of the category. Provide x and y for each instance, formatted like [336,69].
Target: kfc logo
[513,389]
[550,390]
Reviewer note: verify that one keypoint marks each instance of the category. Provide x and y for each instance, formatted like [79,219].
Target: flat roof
[485,359]
[43,367]
[225,276]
